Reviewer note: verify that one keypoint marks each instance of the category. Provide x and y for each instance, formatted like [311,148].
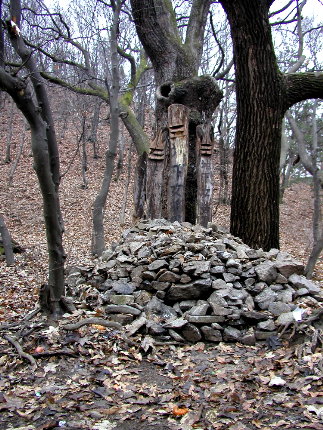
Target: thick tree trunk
[263,95]
[1,37]
[54,230]
[255,181]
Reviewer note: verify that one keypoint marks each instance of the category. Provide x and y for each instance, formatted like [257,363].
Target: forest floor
[92,378]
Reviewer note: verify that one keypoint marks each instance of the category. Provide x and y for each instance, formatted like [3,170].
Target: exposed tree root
[87,321]
[99,321]
[54,353]
[20,351]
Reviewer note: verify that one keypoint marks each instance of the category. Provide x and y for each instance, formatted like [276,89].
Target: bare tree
[264,94]
[93,136]
[92,78]
[98,242]
[78,68]
[46,161]
[310,162]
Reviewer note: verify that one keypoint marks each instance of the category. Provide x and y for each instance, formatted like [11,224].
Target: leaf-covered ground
[91,378]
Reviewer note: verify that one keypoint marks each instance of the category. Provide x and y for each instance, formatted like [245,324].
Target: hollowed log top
[199,93]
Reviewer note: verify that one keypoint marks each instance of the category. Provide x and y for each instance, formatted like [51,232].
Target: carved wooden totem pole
[179,167]
[204,150]
[155,171]
[178,161]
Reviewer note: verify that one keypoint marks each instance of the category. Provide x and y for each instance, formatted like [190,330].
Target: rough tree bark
[263,95]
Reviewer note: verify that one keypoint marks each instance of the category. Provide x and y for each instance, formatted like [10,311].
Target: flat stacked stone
[189,283]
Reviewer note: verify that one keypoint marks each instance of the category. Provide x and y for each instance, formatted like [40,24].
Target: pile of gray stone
[187,283]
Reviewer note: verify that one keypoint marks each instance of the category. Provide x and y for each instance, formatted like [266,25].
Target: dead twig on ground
[20,351]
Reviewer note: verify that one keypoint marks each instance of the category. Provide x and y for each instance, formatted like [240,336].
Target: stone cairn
[184,283]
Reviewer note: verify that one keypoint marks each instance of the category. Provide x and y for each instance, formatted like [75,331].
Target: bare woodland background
[82,60]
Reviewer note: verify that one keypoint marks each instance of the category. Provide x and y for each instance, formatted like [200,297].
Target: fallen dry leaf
[179,411]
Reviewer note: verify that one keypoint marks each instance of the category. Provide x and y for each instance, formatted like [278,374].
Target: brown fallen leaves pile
[93,377]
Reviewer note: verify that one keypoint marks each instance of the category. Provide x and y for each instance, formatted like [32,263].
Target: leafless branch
[222,55]
[282,9]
